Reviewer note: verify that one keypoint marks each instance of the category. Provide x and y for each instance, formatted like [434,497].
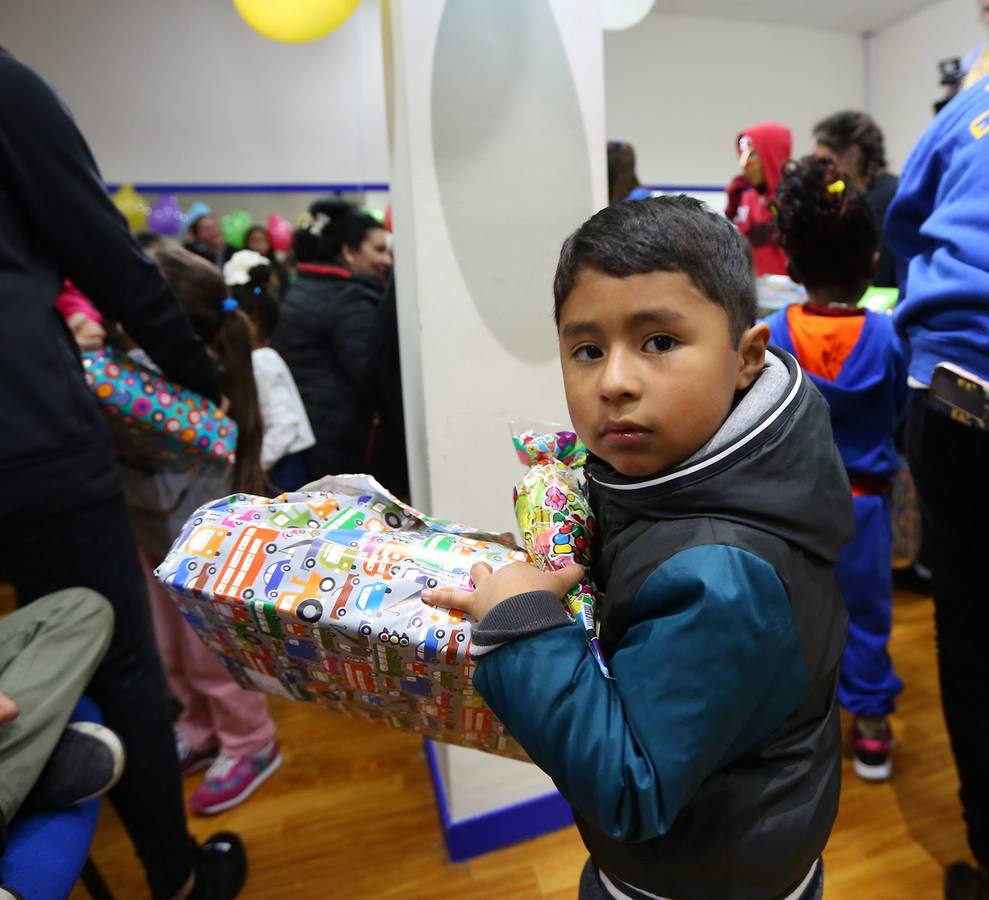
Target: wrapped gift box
[317,597]
[156,424]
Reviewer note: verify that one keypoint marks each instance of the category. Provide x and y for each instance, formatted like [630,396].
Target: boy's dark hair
[331,225]
[826,226]
[664,234]
[849,128]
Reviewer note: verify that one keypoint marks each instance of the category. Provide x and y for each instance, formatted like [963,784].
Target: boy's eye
[660,343]
[586,352]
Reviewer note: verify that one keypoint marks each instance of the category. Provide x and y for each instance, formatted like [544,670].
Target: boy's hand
[8,709]
[493,587]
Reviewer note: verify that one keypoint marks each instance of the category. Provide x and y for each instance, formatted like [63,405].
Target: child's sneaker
[191,760]
[232,779]
[873,749]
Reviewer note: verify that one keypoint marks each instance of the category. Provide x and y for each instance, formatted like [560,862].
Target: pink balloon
[280,230]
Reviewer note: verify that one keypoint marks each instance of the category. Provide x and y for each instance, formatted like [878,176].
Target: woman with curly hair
[854,143]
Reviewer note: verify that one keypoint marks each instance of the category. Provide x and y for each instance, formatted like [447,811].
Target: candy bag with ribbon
[554,515]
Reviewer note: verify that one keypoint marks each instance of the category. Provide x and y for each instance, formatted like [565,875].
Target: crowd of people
[739,470]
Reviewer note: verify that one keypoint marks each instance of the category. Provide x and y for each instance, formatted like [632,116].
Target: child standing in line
[852,355]
[221,725]
[762,150]
[709,766]
[287,432]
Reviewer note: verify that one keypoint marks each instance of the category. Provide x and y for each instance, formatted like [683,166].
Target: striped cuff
[517,617]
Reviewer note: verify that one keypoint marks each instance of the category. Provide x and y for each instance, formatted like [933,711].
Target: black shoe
[221,868]
[87,761]
[965,882]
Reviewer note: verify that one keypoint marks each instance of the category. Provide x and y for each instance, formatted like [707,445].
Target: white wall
[907,54]
[680,88]
[185,91]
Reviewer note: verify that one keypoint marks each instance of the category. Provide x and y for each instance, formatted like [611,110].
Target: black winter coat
[324,334]
[57,221]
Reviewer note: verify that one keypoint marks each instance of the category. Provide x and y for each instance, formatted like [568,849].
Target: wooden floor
[351,813]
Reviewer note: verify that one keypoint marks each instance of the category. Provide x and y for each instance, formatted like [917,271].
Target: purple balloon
[165,217]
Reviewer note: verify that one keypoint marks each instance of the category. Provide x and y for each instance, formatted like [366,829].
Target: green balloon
[235,227]
[374,213]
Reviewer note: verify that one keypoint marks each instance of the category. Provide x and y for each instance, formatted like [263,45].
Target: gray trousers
[48,652]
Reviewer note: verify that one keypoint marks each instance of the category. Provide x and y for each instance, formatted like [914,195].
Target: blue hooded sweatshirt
[938,227]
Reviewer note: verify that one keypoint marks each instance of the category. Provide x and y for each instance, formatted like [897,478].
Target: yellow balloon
[133,206]
[295,21]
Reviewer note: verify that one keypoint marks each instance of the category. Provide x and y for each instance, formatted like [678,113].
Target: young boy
[710,766]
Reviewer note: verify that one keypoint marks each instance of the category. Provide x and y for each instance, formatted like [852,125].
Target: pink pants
[216,710]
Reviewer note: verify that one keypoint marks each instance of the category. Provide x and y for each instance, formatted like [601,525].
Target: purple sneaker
[232,779]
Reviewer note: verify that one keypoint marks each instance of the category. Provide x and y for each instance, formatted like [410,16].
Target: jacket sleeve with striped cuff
[710,665]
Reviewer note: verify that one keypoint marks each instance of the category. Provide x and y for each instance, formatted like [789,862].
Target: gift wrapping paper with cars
[317,596]
[156,424]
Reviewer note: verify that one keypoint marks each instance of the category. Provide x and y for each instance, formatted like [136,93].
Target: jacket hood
[774,144]
[772,466]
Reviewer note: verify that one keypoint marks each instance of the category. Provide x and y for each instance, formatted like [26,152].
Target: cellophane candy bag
[554,515]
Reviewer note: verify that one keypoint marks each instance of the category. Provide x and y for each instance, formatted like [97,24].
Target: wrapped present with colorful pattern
[156,424]
[316,596]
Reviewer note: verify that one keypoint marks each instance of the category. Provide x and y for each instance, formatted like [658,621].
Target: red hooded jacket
[752,216]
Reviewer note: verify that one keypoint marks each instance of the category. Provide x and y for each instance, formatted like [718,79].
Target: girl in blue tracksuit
[854,359]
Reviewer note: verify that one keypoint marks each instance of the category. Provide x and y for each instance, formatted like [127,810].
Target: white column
[496,121]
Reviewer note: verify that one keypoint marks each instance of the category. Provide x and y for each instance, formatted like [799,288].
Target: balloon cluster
[165,217]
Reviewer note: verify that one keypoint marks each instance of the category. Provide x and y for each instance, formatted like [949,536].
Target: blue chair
[47,853]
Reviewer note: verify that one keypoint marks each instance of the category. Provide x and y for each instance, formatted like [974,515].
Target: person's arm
[277,405]
[711,665]
[57,186]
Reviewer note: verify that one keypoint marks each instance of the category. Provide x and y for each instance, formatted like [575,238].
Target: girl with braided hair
[830,236]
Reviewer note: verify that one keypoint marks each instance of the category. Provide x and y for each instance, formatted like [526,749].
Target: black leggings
[950,466]
[92,547]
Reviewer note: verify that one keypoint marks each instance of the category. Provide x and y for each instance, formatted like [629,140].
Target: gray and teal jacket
[710,766]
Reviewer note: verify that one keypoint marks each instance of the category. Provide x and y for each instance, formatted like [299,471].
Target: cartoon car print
[322,509]
[370,597]
[335,557]
[300,648]
[413,684]
[435,614]
[306,602]
[457,644]
[477,721]
[247,558]
[294,516]
[191,576]
[387,660]
[273,576]
[358,676]
[349,519]
[428,649]
[385,562]
[206,540]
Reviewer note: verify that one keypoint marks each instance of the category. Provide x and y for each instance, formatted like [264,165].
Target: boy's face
[649,367]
